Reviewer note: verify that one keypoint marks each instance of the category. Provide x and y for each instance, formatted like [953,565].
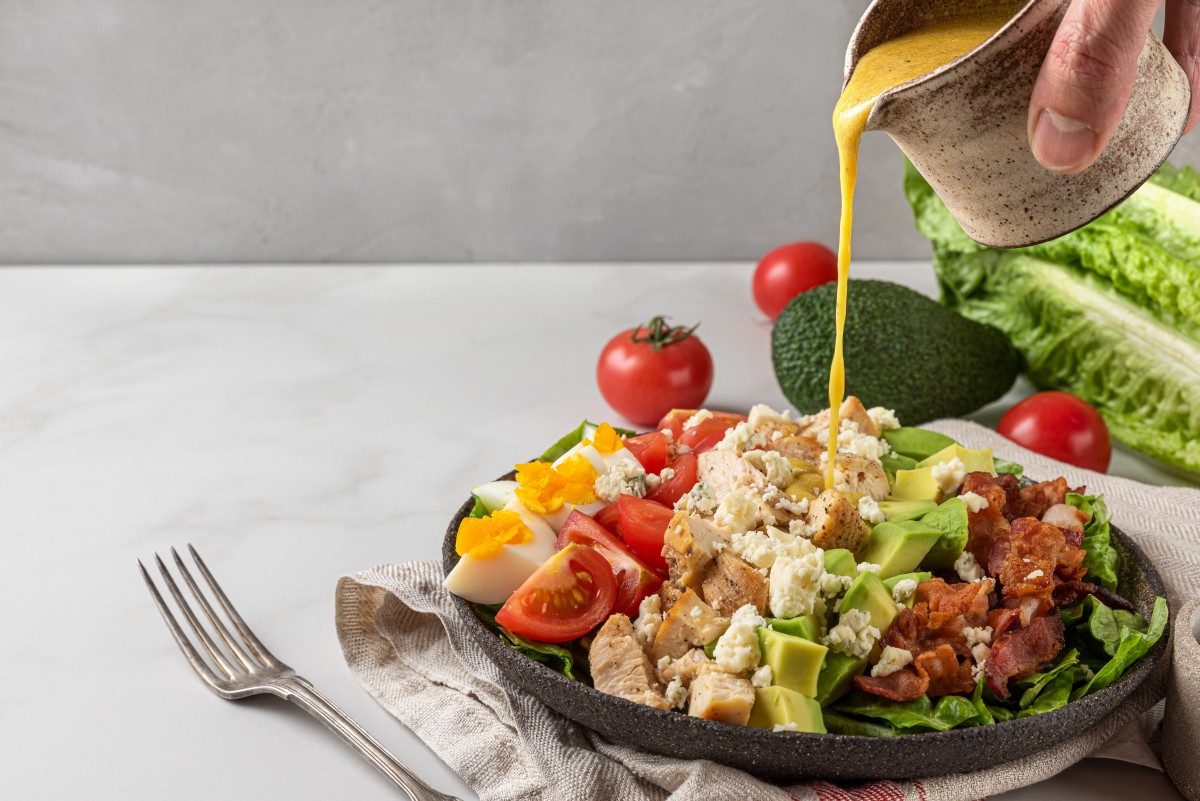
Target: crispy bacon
[905,684]
[988,523]
[1029,559]
[1021,652]
[946,675]
[965,603]
[1001,619]
[1069,592]
[1036,499]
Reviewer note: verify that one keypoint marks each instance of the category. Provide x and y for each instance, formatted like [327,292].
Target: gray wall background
[429,130]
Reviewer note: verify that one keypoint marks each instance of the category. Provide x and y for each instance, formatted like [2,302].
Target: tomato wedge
[565,598]
[704,436]
[610,518]
[650,449]
[635,578]
[643,524]
[686,467]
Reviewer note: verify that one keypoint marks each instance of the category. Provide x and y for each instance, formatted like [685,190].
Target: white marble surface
[294,424]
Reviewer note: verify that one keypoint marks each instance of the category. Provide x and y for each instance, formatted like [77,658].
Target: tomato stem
[659,335]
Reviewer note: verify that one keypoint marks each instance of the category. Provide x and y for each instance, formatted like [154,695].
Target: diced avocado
[916,443]
[807,627]
[899,547]
[976,461]
[779,706]
[795,662]
[837,676]
[917,577]
[841,562]
[893,462]
[951,519]
[868,593]
[894,580]
[916,485]
[906,510]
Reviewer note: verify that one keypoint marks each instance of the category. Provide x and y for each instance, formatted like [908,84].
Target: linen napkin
[402,642]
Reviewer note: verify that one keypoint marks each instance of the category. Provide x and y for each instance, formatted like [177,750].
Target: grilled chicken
[732,583]
[690,546]
[690,623]
[766,420]
[836,523]
[797,447]
[854,473]
[716,695]
[620,668]
[687,667]
[852,409]
[725,471]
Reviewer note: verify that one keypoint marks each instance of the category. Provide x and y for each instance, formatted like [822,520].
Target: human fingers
[1182,37]
[1085,81]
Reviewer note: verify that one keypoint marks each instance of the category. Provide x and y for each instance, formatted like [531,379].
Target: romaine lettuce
[1102,561]
[1110,312]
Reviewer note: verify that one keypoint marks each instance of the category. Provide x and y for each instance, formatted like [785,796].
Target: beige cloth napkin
[401,641]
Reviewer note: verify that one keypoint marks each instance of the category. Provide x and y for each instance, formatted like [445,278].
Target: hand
[1088,75]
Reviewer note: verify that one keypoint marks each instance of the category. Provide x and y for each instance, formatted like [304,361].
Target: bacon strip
[1069,592]
[990,522]
[903,685]
[1021,652]
[1036,499]
[1027,563]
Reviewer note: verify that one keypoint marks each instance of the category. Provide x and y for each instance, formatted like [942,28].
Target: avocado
[777,706]
[904,351]
[837,676]
[841,562]
[868,593]
[951,519]
[916,443]
[979,461]
[899,547]
[916,485]
[806,627]
[795,662]
[906,510]
[893,463]
[891,583]
[894,580]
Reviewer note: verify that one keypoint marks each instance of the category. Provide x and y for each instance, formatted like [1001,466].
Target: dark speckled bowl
[785,756]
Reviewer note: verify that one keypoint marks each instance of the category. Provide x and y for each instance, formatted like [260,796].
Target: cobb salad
[706,568]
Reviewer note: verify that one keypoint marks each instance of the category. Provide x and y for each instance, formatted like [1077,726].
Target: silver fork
[245,667]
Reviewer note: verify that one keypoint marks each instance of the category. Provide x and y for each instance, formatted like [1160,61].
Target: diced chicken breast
[854,473]
[690,545]
[805,448]
[836,522]
[852,409]
[721,696]
[620,668]
[732,583]
[723,470]
[765,420]
[1066,517]
[691,623]
[687,667]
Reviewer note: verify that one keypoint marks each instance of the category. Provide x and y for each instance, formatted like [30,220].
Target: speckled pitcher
[964,125]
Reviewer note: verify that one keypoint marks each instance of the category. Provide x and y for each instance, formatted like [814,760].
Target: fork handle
[301,693]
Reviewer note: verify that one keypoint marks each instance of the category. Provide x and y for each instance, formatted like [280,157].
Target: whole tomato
[645,372]
[787,271]
[1061,426]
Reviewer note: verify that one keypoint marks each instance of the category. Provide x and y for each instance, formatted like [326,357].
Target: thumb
[1085,81]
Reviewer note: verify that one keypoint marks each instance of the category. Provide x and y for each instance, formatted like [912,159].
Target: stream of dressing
[885,67]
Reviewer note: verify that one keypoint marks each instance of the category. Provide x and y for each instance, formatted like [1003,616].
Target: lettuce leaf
[478,510]
[982,710]
[1110,312]
[1005,466]
[555,657]
[911,716]
[1107,625]
[1102,561]
[1055,694]
[1132,646]
[1039,682]
[837,723]
[573,438]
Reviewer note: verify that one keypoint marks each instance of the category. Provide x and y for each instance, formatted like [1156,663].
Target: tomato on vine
[645,372]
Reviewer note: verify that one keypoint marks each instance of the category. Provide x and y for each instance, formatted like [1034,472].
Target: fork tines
[243,655]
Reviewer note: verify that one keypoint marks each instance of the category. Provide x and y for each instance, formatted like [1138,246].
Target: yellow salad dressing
[885,67]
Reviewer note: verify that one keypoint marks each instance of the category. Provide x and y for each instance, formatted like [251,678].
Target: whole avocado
[903,351]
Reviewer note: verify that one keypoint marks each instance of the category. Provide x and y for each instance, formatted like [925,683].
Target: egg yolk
[483,537]
[606,440]
[543,488]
